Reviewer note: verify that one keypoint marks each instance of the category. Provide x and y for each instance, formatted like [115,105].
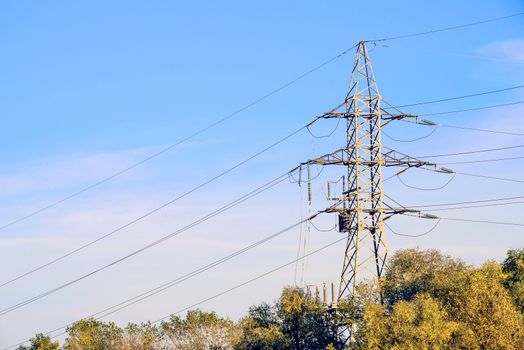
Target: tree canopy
[425,301]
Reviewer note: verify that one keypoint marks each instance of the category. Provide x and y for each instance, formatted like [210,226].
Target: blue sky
[91,87]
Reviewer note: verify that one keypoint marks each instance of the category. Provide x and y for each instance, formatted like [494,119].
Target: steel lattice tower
[362,211]
[360,206]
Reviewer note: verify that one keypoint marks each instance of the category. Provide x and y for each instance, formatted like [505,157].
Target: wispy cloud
[507,50]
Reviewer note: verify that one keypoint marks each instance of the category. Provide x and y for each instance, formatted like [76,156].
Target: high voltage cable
[165,149]
[67,284]
[473,206]
[490,177]
[143,296]
[413,235]
[459,97]
[212,214]
[471,109]
[253,279]
[255,102]
[438,125]
[482,160]
[478,175]
[466,220]
[151,212]
[466,202]
[471,152]
[482,221]
[478,129]
[445,29]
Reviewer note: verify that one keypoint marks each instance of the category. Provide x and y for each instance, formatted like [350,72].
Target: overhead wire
[200,302]
[439,125]
[489,177]
[154,291]
[412,235]
[410,140]
[445,29]
[427,189]
[253,103]
[472,206]
[472,220]
[178,143]
[482,160]
[148,246]
[470,109]
[459,97]
[471,152]
[151,212]
[467,202]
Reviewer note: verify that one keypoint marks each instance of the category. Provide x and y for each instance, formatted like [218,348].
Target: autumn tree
[419,324]
[199,331]
[40,342]
[91,334]
[513,267]
[295,321]
[144,336]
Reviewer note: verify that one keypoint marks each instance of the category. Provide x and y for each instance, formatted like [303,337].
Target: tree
[414,271]
[513,266]
[199,331]
[141,337]
[91,334]
[486,307]
[295,321]
[40,342]
[419,324]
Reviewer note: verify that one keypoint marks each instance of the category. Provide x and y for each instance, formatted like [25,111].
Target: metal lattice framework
[360,207]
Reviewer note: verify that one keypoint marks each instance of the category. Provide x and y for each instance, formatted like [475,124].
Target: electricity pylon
[360,206]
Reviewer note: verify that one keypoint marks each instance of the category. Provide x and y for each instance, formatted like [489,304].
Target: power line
[171,146]
[477,175]
[466,202]
[168,285]
[467,220]
[460,97]
[214,213]
[471,152]
[444,29]
[473,206]
[252,280]
[478,129]
[427,189]
[151,212]
[151,292]
[67,284]
[490,177]
[412,235]
[482,221]
[482,160]
[470,109]
[438,125]
[253,103]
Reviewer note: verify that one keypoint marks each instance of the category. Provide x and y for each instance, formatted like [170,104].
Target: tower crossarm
[392,157]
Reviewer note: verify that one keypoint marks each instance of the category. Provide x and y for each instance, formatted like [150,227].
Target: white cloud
[507,50]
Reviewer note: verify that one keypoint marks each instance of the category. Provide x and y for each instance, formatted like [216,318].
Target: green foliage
[91,334]
[486,307]
[199,331]
[296,321]
[430,302]
[513,266]
[413,271]
[141,337]
[419,324]
[40,342]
